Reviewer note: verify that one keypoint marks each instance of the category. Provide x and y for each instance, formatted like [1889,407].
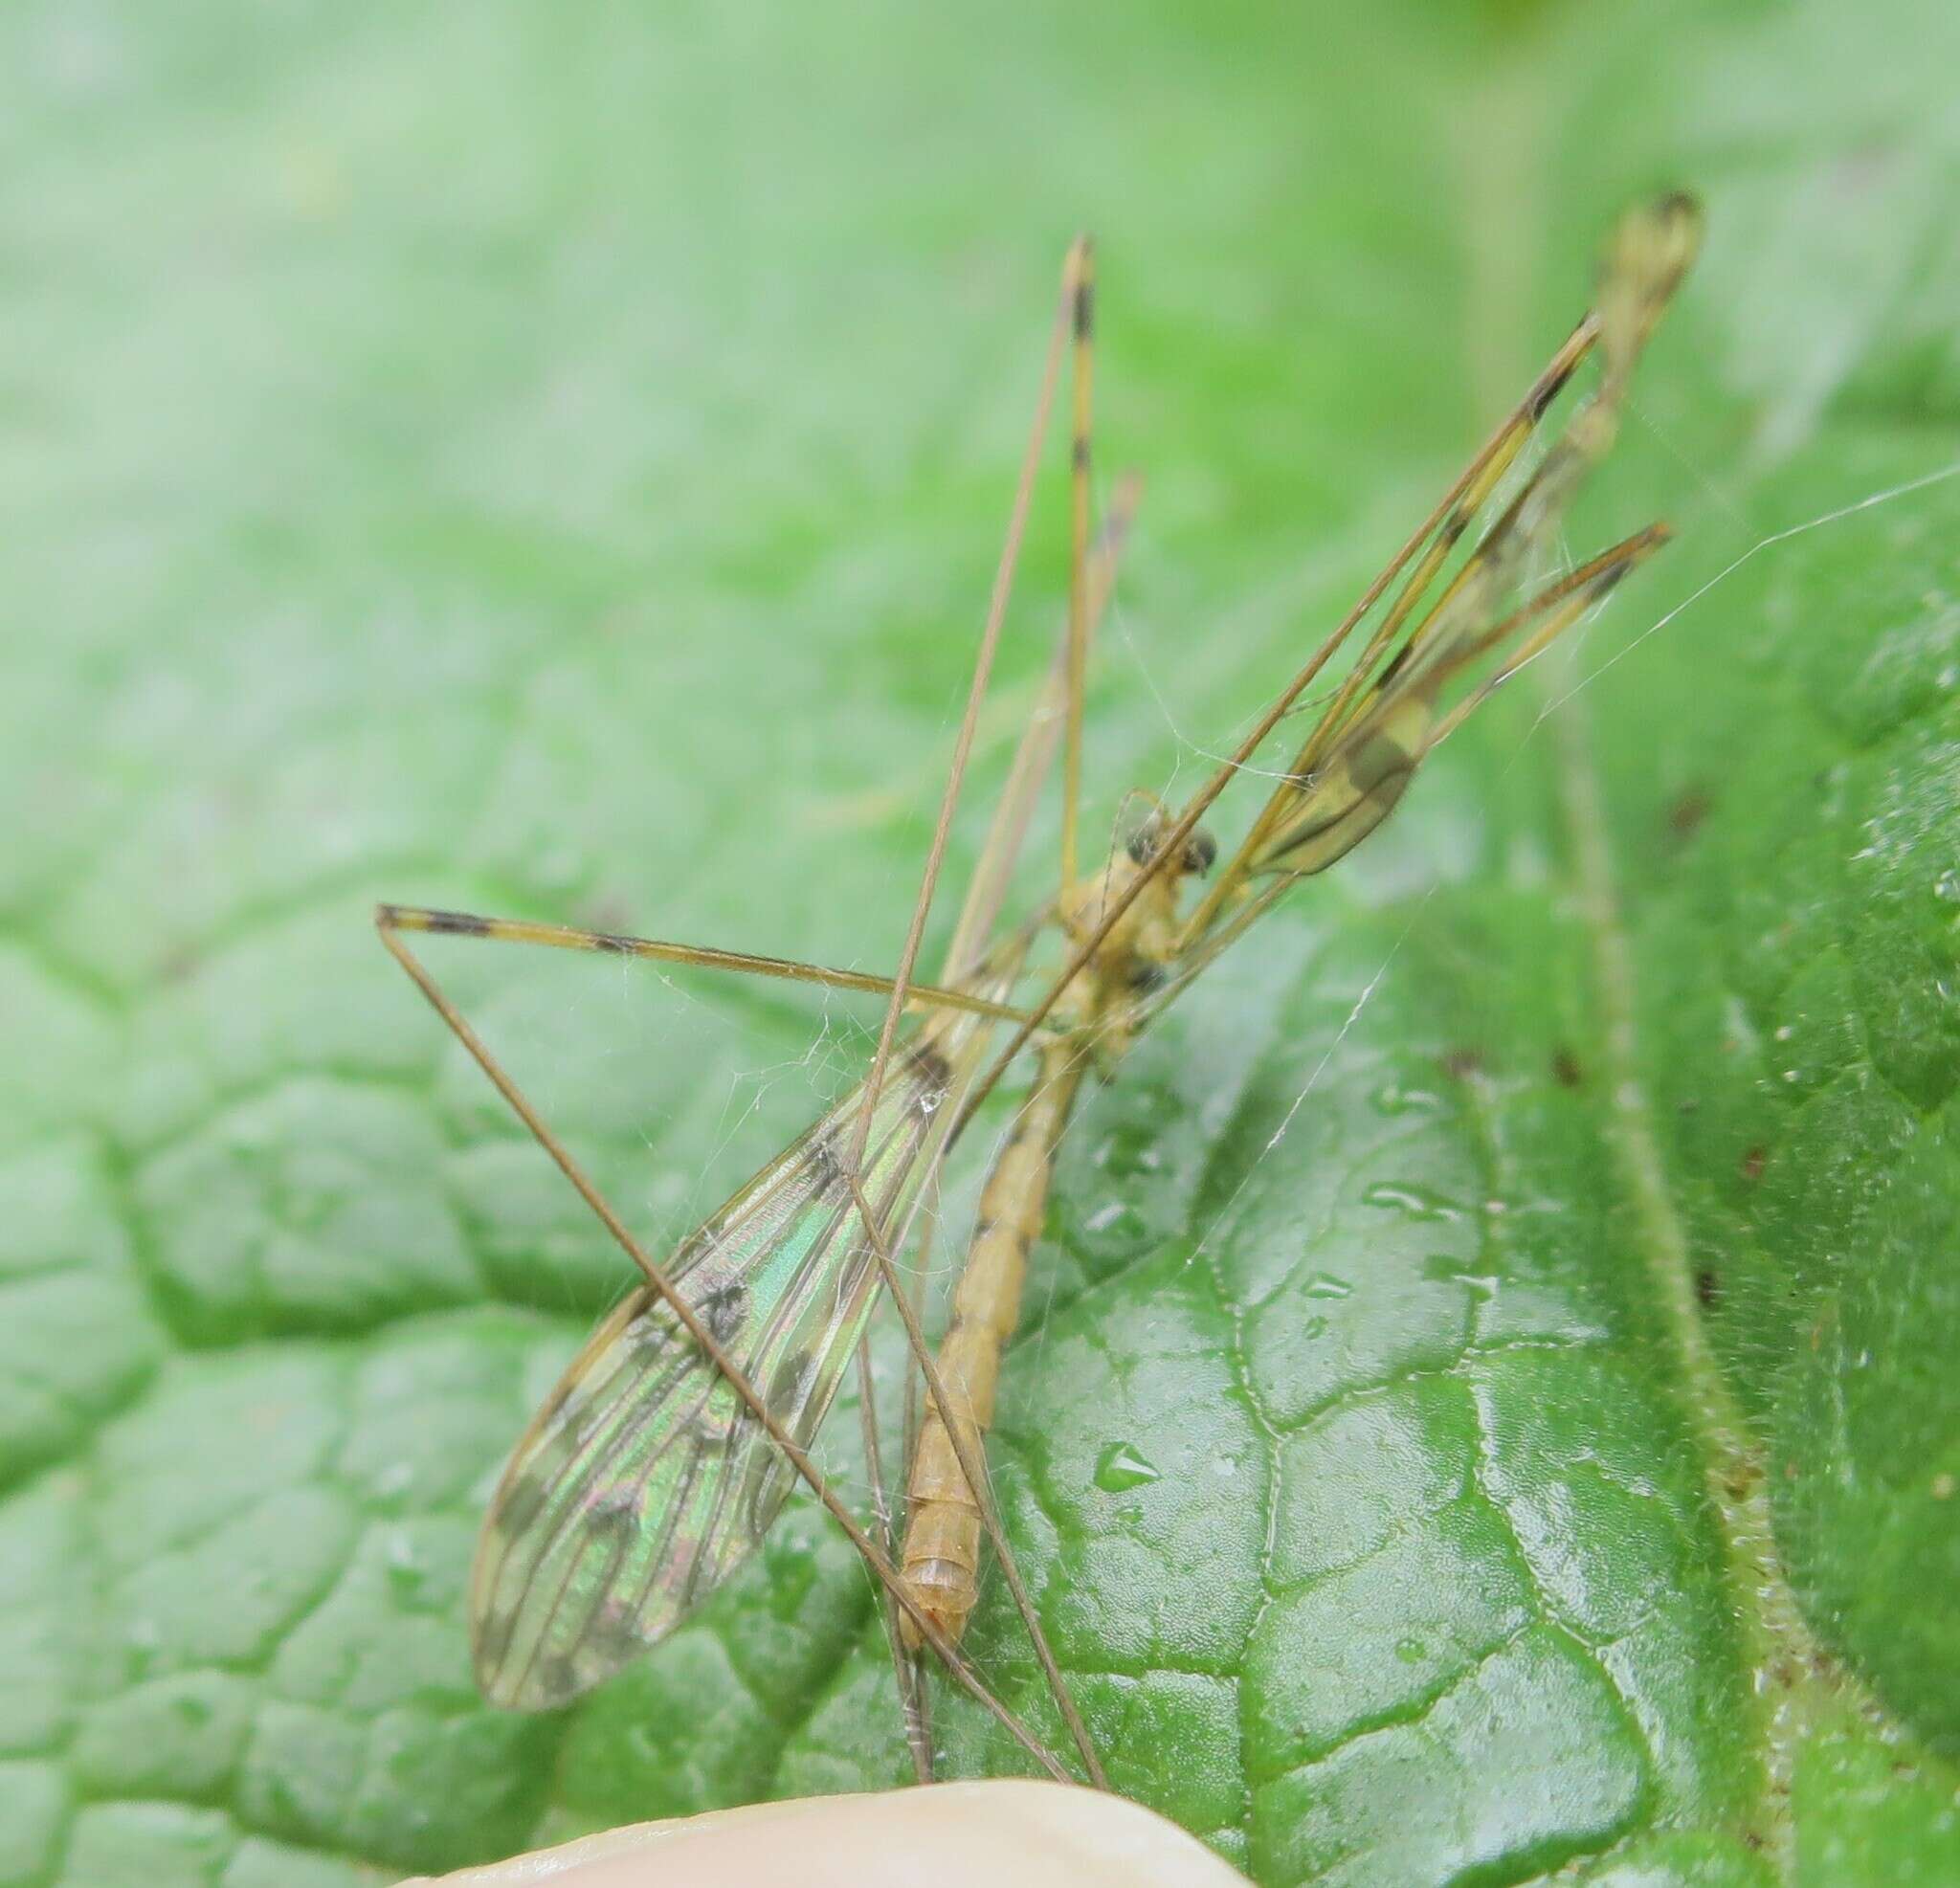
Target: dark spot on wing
[1564,1068]
[715,1429]
[522,1504]
[615,1512]
[558,1677]
[791,1380]
[614,1636]
[724,1309]
[1377,761]
[495,1631]
[827,1169]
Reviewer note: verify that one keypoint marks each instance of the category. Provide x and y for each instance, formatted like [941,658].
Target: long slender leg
[987,890]
[946,1505]
[1650,252]
[692,1322]
[973,1468]
[1543,391]
[1360,762]
[915,1700]
[1553,609]
[950,1501]
[1443,531]
[1642,273]
[1083,316]
[918,1738]
[976,694]
[963,746]
[702,957]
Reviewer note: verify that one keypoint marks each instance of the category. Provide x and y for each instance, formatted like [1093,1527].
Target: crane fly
[665,1452]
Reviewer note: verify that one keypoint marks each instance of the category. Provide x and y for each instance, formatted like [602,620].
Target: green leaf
[1485,1405]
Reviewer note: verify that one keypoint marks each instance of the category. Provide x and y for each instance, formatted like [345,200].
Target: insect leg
[973,1468]
[704,957]
[1083,322]
[1543,391]
[983,667]
[987,890]
[1650,253]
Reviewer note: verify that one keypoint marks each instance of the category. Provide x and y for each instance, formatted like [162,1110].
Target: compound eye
[1148,840]
[1200,852]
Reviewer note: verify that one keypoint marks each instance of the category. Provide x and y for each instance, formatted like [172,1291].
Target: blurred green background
[551,460]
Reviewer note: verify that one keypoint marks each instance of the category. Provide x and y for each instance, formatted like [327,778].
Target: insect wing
[645,1479]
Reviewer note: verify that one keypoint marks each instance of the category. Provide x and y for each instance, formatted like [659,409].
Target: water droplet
[1393,1098]
[1122,1465]
[1416,1202]
[1133,1146]
[1410,1651]
[1445,1269]
[1323,1284]
[1113,1232]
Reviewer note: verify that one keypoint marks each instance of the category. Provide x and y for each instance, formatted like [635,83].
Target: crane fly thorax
[1136,954]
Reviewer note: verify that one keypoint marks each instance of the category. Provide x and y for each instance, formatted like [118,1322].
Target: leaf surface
[1485,1406]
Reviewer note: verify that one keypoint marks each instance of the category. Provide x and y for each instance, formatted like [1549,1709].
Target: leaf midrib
[1795,1682]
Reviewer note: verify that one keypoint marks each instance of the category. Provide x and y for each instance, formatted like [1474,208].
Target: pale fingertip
[957,1835]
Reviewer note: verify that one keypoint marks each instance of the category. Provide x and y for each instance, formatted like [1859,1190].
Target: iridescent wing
[644,1479]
